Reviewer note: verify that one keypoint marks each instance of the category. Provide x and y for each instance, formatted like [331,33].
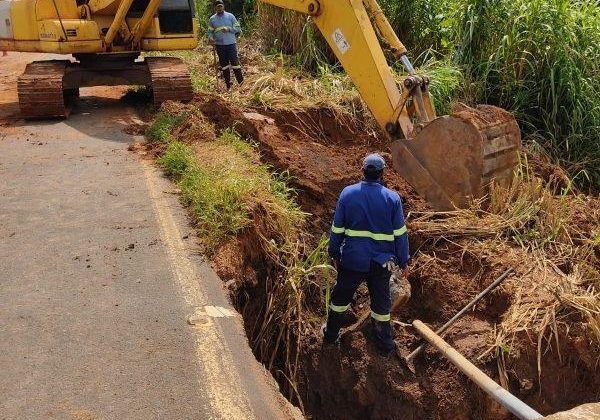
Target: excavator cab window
[174,16]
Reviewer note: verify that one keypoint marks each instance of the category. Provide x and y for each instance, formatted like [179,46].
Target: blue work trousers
[378,283]
[228,59]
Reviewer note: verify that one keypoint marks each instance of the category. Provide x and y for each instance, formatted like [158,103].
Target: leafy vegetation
[160,129]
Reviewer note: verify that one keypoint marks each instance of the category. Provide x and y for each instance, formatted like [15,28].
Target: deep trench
[351,381]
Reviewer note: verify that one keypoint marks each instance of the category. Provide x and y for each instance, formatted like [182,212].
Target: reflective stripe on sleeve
[227,67]
[336,308]
[236,67]
[338,230]
[379,317]
[401,231]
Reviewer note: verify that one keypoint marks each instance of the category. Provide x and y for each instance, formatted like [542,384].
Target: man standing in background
[222,30]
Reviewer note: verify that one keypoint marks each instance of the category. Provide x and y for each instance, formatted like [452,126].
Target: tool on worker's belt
[409,358]
[399,292]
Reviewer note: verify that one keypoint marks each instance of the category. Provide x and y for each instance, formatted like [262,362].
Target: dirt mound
[321,152]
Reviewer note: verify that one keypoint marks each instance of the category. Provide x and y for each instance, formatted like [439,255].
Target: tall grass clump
[421,25]
[539,59]
[293,34]
[447,81]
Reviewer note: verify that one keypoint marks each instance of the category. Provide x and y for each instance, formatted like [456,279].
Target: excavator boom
[447,159]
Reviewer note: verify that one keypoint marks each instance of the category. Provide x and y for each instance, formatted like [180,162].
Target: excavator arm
[448,159]
[348,30]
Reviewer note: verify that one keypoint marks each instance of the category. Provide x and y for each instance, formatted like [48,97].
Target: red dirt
[322,165]
[351,381]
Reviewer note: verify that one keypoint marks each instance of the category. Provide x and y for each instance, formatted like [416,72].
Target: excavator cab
[448,159]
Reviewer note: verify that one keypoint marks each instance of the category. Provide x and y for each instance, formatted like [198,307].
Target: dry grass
[552,241]
[287,88]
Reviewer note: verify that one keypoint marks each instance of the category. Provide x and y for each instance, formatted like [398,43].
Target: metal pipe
[408,65]
[501,395]
[452,320]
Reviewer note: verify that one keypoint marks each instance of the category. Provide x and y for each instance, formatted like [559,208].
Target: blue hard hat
[374,161]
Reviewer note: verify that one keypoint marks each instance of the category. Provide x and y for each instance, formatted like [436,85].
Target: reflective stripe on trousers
[381,317]
[338,308]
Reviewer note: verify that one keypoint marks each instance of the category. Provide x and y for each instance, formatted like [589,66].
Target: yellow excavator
[447,159]
[105,38]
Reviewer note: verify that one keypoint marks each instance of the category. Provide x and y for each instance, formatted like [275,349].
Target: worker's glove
[390,266]
[400,289]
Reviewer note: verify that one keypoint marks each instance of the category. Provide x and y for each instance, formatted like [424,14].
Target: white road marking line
[218,311]
[221,381]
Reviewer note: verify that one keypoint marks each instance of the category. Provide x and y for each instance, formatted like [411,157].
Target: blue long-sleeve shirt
[217,23]
[368,225]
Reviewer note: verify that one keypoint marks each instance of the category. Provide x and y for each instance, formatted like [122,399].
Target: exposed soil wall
[351,381]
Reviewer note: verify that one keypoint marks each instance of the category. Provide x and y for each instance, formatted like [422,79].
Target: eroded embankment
[351,381]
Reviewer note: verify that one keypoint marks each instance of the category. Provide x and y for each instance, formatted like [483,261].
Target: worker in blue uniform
[367,238]
[222,30]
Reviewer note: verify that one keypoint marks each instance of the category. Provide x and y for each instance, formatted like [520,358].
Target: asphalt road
[107,310]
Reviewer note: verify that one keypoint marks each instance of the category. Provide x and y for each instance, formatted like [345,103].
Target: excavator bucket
[454,158]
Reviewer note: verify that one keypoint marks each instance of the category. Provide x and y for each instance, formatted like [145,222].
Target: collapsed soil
[351,381]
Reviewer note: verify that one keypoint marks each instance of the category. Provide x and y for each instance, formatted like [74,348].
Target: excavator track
[170,79]
[40,90]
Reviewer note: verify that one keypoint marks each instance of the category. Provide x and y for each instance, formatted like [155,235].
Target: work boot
[331,330]
[329,338]
[238,76]
[382,335]
[227,78]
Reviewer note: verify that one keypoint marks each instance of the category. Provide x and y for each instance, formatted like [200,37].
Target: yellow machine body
[105,38]
[62,27]
[448,159]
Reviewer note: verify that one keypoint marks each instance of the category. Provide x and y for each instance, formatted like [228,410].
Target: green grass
[164,122]
[447,82]
[225,190]
[540,59]
[229,191]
